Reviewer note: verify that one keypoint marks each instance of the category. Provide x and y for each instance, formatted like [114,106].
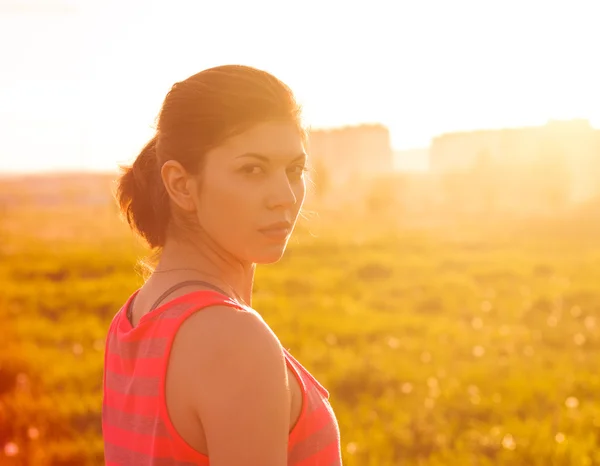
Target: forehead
[271,139]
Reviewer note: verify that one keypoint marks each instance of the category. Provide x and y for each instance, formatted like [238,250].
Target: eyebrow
[266,159]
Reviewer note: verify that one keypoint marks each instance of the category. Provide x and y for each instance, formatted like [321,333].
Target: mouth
[277,231]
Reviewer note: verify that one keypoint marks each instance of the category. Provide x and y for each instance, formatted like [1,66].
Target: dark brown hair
[197,115]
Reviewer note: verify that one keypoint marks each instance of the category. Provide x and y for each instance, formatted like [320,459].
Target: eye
[252,169]
[299,170]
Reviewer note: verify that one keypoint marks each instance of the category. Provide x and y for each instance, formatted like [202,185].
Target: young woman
[192,374]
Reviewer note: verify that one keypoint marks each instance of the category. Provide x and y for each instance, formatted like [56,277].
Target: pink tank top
[135,425]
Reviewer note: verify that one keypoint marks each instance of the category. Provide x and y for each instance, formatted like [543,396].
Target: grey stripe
[314,443]
[145,425]
[136,386]
[146,348]
[126,457]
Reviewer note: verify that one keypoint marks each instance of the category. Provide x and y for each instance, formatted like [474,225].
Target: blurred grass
[472,343]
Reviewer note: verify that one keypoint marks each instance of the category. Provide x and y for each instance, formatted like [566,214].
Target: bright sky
[81,81]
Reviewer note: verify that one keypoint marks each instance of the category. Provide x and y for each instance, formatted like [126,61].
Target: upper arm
[238,386]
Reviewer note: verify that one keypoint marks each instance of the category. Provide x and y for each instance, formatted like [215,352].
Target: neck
[189,261]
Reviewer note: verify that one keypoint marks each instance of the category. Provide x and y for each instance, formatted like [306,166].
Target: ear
[180,185]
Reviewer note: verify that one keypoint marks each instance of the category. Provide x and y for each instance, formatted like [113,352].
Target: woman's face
[251,190]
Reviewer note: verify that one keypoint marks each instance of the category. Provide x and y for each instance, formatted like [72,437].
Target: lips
[278,226]
[277,231]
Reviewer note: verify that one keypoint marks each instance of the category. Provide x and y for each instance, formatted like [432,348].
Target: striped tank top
[136,428]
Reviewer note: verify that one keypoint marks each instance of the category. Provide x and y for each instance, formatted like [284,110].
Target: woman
[192,373]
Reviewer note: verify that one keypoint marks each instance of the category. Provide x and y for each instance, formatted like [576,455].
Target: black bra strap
[171,290]
[184,284]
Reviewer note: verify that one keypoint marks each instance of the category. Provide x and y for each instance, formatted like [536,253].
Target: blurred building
[521,171]
[57,189]
[521,168]
[352,152]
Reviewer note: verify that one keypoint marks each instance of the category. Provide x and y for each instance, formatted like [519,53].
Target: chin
[269,255]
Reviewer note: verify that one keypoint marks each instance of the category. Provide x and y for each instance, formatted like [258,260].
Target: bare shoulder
[232,370]
[219,333]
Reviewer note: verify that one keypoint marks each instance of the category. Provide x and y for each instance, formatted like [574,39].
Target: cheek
[225,202]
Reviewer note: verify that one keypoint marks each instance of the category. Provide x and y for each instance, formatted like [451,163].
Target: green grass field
[473,344]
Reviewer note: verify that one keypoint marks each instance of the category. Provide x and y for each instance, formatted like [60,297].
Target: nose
[281,193]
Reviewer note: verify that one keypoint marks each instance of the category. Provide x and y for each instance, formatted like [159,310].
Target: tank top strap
[183,285]
[175,287]
[307,374]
